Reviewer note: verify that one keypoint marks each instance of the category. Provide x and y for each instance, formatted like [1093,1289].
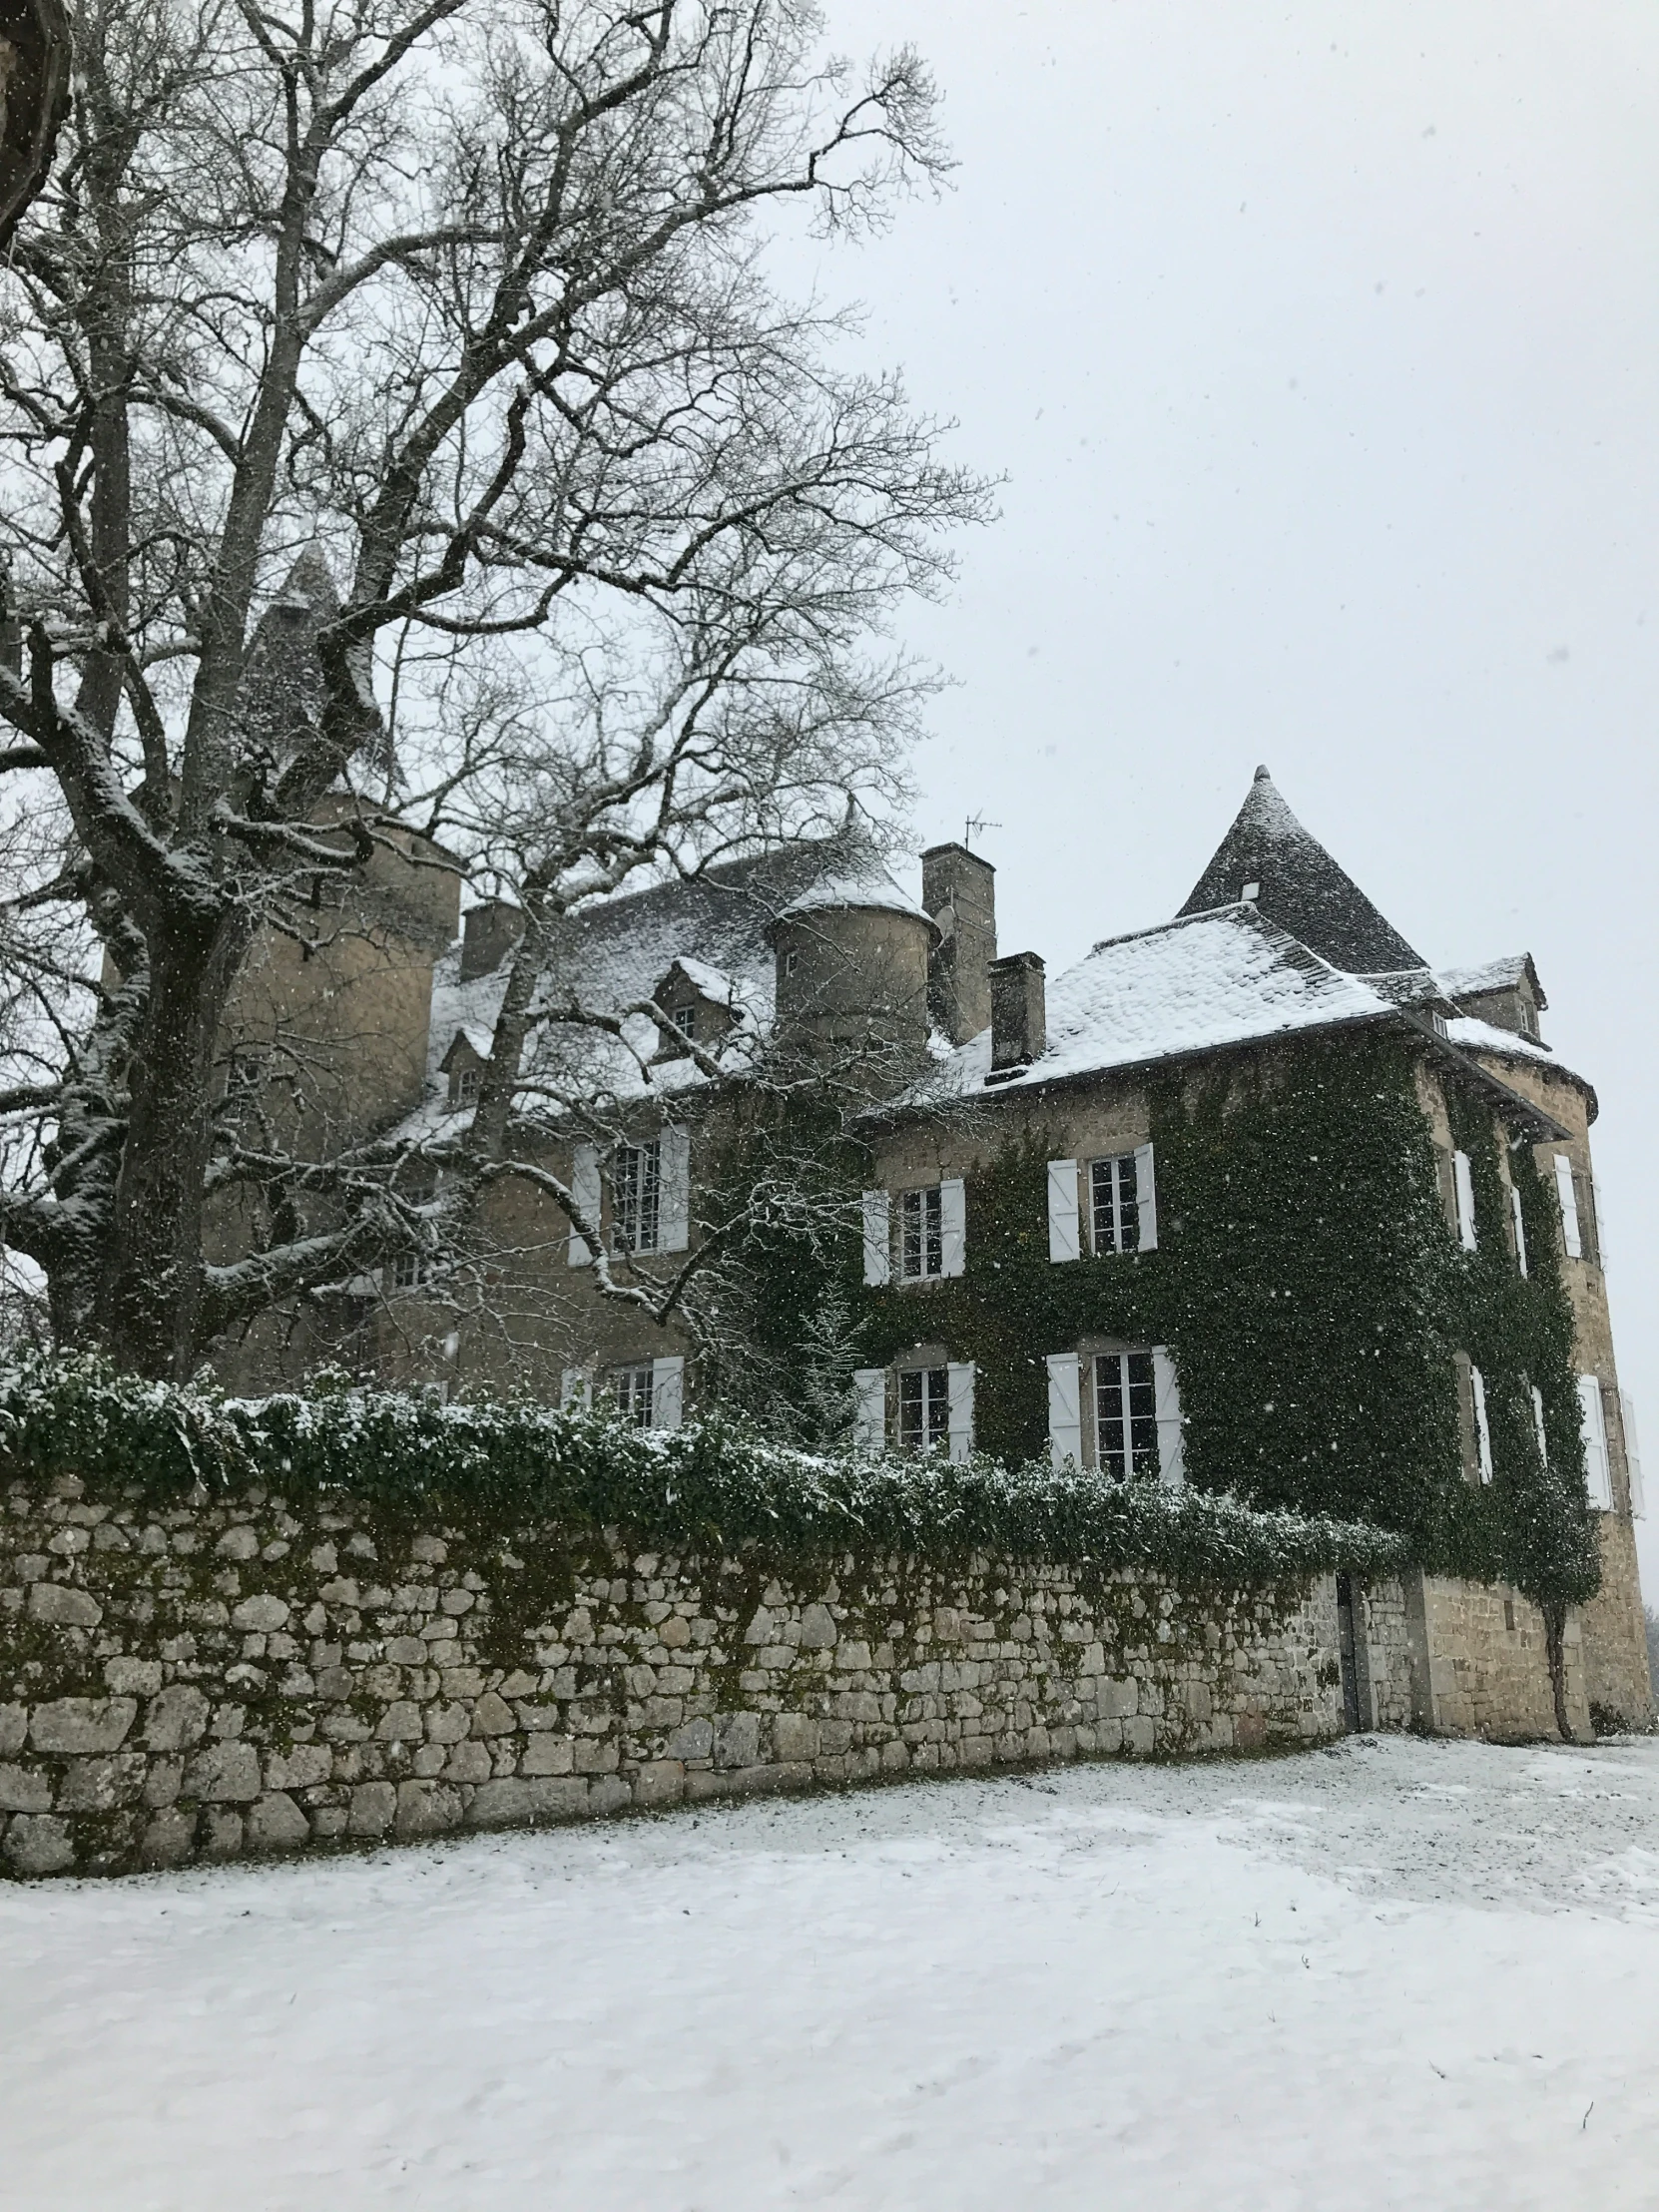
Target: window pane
[1129,1213]
[938,1409]
[912,1416]
[636,1185]
[920,1235]
[1110,1451]
[1142,1412]
[1103,1195]
[633,1394]
[934,1209]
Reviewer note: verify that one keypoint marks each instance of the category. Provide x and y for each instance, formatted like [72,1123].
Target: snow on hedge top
[1189,985]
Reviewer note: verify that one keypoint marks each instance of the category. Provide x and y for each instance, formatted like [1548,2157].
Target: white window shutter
[877,1238]
[1570,1207]
[1520,1228]
[1593,1428]
[1599,1220]
[1632,1458]
[668,1393]
[673,1188]
[960,1400]
[952,1226]
[870,1409]
[1145,1197]
[1064,1228]
[584,1188]
[1462,1181]
[1538,1424]
[1172,1447]
[1483,1434]
[1065,1408]
[576,1388]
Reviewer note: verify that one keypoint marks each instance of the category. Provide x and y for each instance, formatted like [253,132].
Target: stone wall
[1480,1663]
[243,1678]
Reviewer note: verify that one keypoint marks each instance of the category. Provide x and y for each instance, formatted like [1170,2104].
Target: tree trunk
[150,1293]
[1555,1621]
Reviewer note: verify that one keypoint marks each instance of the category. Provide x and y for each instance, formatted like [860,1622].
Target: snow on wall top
[866,888]
[1225,977]
[1299,887]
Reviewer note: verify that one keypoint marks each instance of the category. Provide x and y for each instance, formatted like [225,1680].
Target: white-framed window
[1134,1426]
[931,1233]
[1125,1414]
[631,1388]
[1114,1210]
[921,1234]
[924,1408]
[650,1392]
[408,1271]
[1593,1426]
[468,1082]
[1116,1196]
[635,1196]
[923,1405]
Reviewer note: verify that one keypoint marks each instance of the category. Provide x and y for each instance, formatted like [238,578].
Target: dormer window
[696,1005]
[464,1065]
[467,1081]
[683,1018]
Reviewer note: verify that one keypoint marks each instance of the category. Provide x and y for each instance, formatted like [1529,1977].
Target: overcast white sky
[1319,345]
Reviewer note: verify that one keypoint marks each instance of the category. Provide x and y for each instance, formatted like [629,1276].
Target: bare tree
[467,295]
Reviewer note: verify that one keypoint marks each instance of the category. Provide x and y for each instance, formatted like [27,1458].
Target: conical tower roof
[1299,887]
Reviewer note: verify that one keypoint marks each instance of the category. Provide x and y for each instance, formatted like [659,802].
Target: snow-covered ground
[1388,1974]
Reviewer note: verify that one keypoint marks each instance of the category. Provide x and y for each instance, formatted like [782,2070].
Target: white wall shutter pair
[1462,1181]
[1632,1458]
[1593,1426]
[878,1227]
[1065,1414]
[668,1393]
[1570,1238]
[1519,1227]
[1065,1239]
[584,1189]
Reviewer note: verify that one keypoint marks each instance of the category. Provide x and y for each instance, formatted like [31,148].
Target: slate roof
[1302,887]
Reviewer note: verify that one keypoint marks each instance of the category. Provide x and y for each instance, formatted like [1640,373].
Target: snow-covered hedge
[709,1487]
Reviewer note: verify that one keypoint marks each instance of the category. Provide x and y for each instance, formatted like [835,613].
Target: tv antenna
[976,825]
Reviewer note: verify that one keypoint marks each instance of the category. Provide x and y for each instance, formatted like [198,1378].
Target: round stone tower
[851,967]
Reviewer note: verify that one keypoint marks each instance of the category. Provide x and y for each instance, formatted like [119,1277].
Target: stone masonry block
[427,1808]
[100,1785]
[62,1607]
[73,1724]
[25,1789]
[373,1808]
[14,1728]
[736,1738]
[275,1822]
[226,1773]
[176,1719]
[513,1803]
[38,1843]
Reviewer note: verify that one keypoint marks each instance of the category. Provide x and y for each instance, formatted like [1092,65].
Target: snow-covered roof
[871,888]
[1299,886]
[1507,974]
[1230,976]
[717,927]
[1475,1035]
[471,1033]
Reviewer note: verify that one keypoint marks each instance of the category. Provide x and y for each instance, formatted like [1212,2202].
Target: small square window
[467,1086]
[407,1271]
[683,1019]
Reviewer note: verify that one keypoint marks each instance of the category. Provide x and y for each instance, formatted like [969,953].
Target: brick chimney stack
[959,890]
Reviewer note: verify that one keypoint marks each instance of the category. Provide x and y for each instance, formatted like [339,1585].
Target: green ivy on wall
[1315,1300]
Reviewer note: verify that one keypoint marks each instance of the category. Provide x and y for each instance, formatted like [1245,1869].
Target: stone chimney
[959,890]
[491,931]
[1020,1013]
